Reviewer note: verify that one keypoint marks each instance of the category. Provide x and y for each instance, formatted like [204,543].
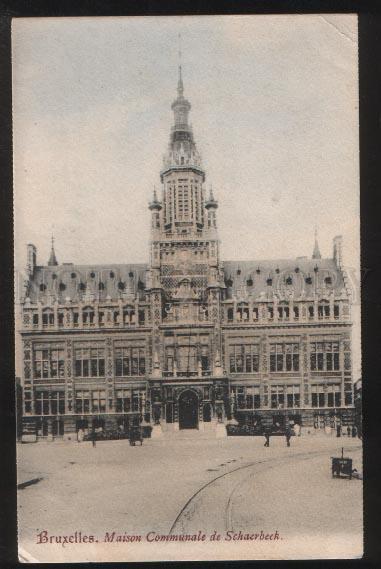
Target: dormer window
[101,286]
[62,287]
[73,275]
[112,274]
[328,280]
[238,271]
[249,282]
[289,281]
[92,275]
[258,271]
[42,287]
[269,282]
[308,280]
[82,286]
[229,283]
[121,285]
[130,274]
[88,316]
[54,276]
[296,269]
[277,270]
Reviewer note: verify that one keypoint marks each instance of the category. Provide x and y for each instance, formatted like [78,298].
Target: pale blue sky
[274,111]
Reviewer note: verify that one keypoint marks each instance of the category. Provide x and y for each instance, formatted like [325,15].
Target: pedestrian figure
[267,438]
[80,435]
[288,436]
[354,431]
[338,431]
[348,431]
[94,438]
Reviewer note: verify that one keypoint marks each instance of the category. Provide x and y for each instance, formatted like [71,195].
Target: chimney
[338,250]
[31,259]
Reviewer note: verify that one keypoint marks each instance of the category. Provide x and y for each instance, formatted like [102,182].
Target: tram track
[224,512]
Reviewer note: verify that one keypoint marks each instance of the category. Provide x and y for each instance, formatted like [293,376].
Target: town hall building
[187,340]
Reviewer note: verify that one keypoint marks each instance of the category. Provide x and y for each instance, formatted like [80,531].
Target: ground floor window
[293,396]
[90,401]
[246,397]
[277,396]
[129,400]
[328,397]
[49,402]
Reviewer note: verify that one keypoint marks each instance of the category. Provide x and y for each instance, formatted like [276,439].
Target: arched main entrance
[188,410]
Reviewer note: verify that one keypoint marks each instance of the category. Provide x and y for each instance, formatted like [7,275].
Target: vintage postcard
[187,288]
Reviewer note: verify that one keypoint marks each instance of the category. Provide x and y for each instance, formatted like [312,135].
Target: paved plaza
[191,484]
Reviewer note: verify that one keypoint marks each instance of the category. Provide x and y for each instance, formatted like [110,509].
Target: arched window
[101,286]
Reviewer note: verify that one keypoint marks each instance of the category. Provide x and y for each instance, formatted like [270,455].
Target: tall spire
[180,85]
[52,259]
[316,253]
[182,152]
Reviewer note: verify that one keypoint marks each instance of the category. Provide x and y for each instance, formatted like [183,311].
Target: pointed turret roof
[52,259]
[316,252]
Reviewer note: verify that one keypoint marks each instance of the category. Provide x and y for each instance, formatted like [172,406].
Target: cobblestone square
[187,485]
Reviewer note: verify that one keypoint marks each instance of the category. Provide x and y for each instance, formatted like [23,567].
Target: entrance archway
[188,410]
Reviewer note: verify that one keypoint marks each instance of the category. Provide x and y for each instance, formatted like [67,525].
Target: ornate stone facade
[186,340]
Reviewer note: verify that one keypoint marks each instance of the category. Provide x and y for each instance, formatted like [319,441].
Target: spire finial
[180,85]
[52,259]
[316,252]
